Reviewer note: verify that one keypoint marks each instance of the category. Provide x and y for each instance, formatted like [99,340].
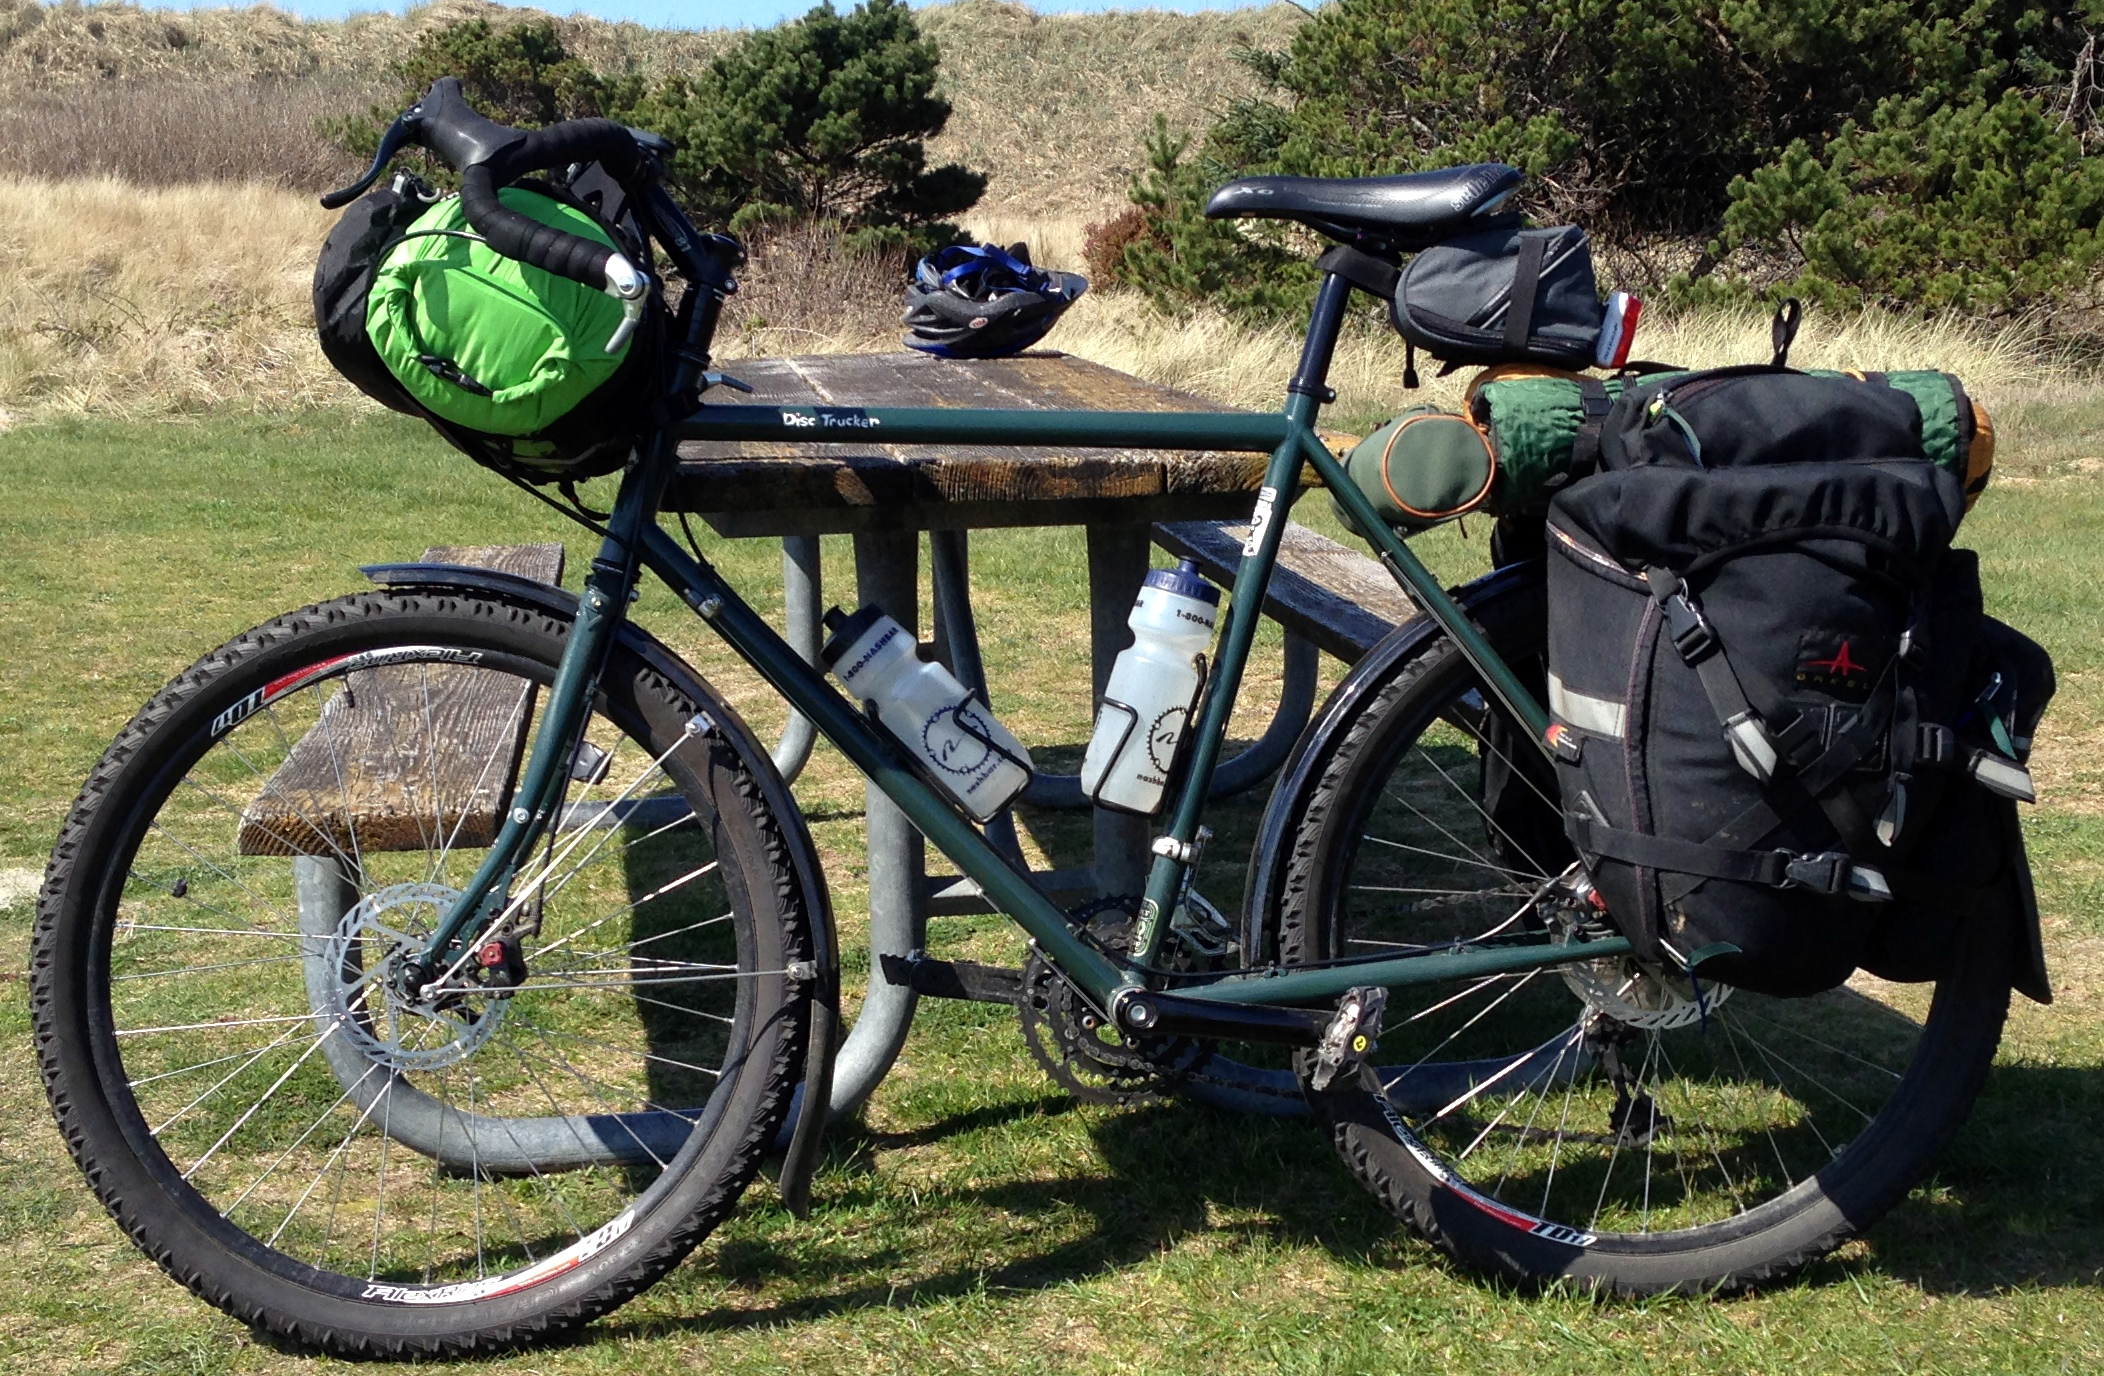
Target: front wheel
[324,1149]
[1605,1123]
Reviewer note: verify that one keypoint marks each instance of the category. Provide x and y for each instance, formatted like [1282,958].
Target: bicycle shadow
[1167,1173]
[2016,1200]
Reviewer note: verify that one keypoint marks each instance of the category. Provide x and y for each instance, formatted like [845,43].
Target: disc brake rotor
[1641,996]
[362,997]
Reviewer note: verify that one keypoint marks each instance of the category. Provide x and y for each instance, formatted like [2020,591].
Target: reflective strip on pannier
[1599,716]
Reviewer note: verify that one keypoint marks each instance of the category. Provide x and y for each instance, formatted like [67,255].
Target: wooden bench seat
[1320,590]
[363,778]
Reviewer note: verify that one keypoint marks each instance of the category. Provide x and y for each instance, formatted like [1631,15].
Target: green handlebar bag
[488,342]
[507,362]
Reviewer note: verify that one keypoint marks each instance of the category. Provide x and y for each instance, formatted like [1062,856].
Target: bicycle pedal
[1351,1036]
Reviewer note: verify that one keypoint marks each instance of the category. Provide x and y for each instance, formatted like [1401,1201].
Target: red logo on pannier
[1833,664]
[1840,664]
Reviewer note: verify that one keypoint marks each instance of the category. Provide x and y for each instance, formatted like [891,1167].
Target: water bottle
[1153,686]
[971,755]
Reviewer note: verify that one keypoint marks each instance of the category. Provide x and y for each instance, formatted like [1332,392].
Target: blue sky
[704,14]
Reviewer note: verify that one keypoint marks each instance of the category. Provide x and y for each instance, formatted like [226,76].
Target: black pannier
[1507,295]
[1787,739]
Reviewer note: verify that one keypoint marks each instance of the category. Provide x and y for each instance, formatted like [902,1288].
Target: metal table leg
[803,591]
[1117,563]
[887,573]
[957,642]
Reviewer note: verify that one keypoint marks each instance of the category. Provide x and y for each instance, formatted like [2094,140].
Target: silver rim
[1604,1098]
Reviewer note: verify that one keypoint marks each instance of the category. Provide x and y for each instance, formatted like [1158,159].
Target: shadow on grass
[2017,1200]
[1171,1171]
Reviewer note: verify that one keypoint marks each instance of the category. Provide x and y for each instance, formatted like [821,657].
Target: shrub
[1104,242]
[1649,120]
[820,120]
[518,74]
[169,131]
[1177,256]
[1983,208]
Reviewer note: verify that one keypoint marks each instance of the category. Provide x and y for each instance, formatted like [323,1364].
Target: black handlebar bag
[1772,691]
[510,362]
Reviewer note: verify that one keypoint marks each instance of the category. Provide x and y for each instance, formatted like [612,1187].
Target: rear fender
[1317,744]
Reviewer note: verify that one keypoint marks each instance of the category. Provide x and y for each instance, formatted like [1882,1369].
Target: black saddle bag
[1507,295]
[1779,749]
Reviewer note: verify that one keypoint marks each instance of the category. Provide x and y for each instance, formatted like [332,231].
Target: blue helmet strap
[997,269]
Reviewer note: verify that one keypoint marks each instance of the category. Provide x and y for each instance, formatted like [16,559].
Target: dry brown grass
[43,45]
[801,294]
[118,299]
[176,130]
[1053,106]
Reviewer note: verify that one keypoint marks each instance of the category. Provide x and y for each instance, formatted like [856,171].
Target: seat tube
[1305,396]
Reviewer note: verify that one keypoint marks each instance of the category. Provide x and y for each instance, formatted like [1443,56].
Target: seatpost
[1310,390]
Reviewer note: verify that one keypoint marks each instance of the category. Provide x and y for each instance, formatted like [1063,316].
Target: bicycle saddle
[1416,207]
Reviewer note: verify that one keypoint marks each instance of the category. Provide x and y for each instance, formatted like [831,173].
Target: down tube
[839,722]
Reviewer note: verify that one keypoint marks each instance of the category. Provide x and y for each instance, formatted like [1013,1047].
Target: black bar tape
[578,140]
[522,237]
[450,127]
[489,155]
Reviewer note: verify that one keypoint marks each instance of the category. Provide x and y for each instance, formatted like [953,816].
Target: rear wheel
[1604,1122]
[316,1146]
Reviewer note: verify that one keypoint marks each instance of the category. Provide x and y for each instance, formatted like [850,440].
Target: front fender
[661,658]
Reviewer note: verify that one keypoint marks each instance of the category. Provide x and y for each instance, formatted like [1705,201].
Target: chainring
[1077,1046]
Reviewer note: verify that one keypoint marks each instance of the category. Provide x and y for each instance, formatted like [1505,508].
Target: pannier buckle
[1688,627]
[1935,745]
[1824,873]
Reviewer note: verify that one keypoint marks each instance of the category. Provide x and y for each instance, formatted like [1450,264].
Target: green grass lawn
[976,1220]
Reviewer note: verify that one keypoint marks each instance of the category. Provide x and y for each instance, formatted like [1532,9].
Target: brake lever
[391,143]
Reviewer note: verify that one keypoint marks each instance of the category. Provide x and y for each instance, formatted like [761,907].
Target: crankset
[1078,1047]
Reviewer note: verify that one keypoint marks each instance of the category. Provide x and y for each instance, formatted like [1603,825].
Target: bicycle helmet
[984,302]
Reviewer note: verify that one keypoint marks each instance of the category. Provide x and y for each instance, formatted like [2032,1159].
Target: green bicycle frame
[636,540]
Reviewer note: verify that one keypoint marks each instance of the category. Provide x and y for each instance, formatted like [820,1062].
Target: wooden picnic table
[757,488]
[885,495]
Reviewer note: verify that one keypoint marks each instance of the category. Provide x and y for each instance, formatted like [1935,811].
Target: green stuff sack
[1533,418]
[484,341]
[1423,467]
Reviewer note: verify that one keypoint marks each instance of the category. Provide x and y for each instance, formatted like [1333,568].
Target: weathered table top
[791,489]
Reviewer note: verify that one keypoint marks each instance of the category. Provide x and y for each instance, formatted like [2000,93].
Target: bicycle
[391,1098]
